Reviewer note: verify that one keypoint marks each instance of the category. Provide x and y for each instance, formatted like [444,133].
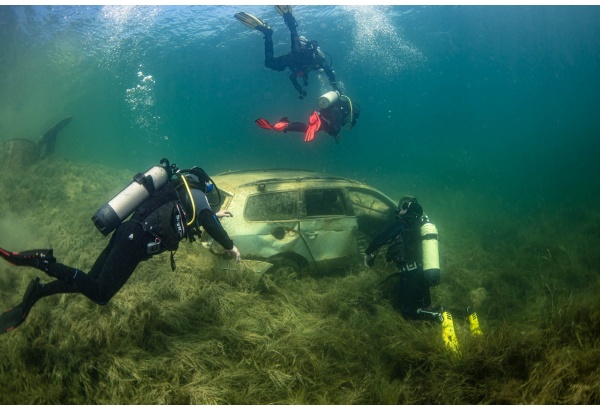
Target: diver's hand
[369,260]
[224,214]
[302,95]
[234,253]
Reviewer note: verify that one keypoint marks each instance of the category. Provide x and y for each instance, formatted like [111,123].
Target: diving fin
[313,126]
[474,322]
[34,257]
[253,22]
[12,318]
[280,125]
[284,9]
[448,333]
[262,123]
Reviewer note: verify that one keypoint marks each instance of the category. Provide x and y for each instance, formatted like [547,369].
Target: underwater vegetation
[201,335]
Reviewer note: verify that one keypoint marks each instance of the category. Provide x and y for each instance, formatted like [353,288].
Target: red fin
[313,126]
[262,123]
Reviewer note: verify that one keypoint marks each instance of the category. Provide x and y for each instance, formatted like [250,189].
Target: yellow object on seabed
[447,322]
[448,333]
[474,323]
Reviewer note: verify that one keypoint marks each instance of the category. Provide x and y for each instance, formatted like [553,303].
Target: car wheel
[283,270]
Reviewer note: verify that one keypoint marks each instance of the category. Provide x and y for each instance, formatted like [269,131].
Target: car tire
[283,270]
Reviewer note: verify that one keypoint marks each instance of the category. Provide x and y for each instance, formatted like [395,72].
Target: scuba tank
[431,257]
[328,98]
[115,211]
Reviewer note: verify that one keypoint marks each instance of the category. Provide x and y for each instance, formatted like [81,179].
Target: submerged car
[298,220]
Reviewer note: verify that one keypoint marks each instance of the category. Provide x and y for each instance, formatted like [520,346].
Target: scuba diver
[336,111]
[412,241]
[413,247]
[168,205]
[304,57]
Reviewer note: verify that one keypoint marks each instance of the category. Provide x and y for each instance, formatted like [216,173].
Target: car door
[271,225]
[268,229]
[328,228]
[374,212]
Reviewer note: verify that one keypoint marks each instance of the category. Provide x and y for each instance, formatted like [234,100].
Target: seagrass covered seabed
[200,335]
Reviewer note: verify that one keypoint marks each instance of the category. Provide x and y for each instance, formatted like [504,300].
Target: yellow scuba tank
[328,98]
[115,211]
[431,257]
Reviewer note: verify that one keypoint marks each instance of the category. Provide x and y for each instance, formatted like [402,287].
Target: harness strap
[146,181]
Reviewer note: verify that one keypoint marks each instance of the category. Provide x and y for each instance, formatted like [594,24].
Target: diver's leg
[274,63]
[269,53]
[296,127]
[290,22]
[128,250]
[411,295]
[112,269]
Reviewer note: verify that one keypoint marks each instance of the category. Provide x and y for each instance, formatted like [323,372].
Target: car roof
[229,181]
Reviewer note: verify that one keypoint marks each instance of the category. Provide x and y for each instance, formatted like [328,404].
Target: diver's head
[409,205]
[200,179]
[307,45]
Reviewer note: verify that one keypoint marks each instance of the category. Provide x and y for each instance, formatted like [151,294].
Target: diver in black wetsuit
[305,55]
[331,119]
[413,247]
[145,234]
[410,292]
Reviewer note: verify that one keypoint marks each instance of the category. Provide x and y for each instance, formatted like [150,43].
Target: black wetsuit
[301,60]
[409,290]
[125,250]
[333,118]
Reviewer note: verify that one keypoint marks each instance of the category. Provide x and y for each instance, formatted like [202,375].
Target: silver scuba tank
[328,98]
[431,257]
[115,211]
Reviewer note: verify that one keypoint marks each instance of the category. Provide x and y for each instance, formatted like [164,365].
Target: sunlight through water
[376,39]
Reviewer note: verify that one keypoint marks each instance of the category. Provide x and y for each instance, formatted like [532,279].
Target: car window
[373,210]
[322,202]
[272,206]
[369,202]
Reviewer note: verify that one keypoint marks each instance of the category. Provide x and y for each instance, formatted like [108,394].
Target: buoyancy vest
[164,217]
[405,249]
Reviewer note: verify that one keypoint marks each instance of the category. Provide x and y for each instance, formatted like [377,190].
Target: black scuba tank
[115,211]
